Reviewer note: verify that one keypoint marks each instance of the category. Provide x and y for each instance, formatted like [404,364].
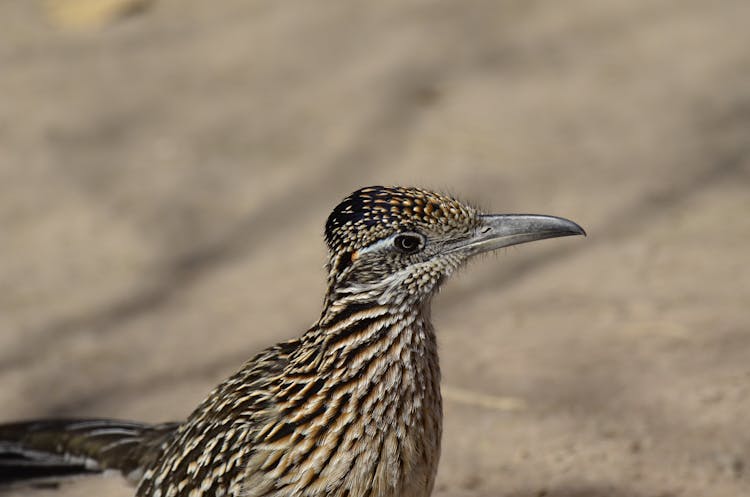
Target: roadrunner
[351,408]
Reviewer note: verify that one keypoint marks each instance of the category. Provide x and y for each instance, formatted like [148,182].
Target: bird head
[399,244]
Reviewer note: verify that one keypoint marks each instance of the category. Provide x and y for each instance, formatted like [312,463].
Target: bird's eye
[408,243]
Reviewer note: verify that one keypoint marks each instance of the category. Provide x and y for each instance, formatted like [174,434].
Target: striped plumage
[351,408]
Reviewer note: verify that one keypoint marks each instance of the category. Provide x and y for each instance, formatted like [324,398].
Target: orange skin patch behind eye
[355,255]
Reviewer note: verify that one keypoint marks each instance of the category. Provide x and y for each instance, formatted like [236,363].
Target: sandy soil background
[164,180]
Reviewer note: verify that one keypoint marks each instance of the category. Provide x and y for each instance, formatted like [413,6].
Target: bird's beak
[503,230]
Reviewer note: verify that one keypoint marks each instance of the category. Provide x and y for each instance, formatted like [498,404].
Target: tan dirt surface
[165,174]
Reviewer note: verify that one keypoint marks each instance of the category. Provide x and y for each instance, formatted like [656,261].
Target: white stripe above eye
[378,246]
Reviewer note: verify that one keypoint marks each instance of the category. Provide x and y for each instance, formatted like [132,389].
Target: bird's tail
[47,451]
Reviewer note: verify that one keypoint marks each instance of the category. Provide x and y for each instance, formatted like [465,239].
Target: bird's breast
[371,428]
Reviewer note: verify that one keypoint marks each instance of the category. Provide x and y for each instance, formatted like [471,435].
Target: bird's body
[351,408]
[311,424]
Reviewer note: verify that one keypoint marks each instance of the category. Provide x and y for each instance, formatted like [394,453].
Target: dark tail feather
[48,451]
[15,469]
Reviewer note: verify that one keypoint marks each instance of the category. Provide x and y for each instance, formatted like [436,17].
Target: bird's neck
[371,330]
[377,348]
[363,334]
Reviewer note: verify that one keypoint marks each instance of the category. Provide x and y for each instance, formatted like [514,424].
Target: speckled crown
[375,212]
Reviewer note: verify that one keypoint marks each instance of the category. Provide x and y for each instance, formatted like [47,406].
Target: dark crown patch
[378,211]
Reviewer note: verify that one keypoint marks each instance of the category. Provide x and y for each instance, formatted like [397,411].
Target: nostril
[486,229]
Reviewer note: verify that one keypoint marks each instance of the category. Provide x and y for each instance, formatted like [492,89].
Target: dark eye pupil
[407,243]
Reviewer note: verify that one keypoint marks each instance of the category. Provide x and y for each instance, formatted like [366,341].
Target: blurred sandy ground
[165,175]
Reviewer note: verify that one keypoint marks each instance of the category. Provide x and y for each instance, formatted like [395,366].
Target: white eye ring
[408,243]
[397,242]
